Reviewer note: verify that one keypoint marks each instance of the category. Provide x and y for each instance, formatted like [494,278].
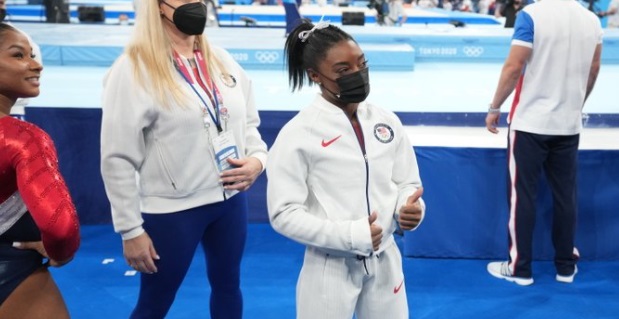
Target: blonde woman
[179,145]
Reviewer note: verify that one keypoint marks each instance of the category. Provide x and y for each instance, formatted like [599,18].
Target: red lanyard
[210,88]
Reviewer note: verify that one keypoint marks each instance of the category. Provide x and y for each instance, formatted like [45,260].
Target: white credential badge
[225,147]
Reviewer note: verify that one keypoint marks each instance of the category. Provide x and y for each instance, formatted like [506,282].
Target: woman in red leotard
[38,222]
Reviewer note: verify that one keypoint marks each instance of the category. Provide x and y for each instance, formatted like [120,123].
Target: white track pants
[331,287]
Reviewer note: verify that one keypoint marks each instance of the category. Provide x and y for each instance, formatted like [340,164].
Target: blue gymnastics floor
[99,285]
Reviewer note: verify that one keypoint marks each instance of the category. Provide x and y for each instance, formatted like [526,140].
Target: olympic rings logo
[473,51]
[267,56]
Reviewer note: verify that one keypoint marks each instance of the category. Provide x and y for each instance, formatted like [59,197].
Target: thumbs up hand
[410,213]
[375,230]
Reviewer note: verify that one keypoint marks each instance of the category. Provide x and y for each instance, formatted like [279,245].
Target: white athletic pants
[331,287]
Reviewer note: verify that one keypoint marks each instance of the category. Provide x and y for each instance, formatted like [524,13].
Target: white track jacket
[322,188]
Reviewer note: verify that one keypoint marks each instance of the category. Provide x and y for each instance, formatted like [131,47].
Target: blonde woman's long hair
[150,51]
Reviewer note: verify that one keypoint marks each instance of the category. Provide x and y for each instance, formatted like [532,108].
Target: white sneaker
[567,279]
[500,269]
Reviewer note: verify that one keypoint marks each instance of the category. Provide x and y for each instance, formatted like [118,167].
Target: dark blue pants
[528,155]
[221,228]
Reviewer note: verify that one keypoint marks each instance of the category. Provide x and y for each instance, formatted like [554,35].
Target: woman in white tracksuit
[342,175]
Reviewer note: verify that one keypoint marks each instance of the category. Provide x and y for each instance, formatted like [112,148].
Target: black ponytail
[303,55]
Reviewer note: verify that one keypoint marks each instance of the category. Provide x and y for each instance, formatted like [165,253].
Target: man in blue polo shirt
[553,64]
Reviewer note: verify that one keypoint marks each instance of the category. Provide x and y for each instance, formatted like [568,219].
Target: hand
[375,230]
[410,213]
[244,174]
[492,121]
[38,246]
[140,254]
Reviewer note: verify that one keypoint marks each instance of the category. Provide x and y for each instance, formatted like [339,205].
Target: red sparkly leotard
[29,173]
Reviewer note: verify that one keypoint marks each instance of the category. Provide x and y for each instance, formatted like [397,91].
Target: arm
[510,74]
[595,70]
[122,146]
[46,195]
[519,54]
[250,166]
[254,145]
[288,194]
[405,174]
[126,114]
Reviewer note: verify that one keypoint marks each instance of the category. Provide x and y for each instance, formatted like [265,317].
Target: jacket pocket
[165,166]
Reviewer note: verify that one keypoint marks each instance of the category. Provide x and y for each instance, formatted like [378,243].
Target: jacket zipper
[367,164]
[367,181]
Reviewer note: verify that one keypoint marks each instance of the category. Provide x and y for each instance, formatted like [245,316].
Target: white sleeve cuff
[361,238]
[133,233]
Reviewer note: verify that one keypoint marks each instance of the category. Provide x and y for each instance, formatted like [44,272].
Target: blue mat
[95,286]
[466,204]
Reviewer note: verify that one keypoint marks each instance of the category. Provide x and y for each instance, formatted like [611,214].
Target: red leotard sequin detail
[28,163]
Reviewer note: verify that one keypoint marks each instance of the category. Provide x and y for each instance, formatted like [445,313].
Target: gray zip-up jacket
[157,158]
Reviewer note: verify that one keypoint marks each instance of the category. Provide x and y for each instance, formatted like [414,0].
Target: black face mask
[189,18]
[354,87]
[2,14]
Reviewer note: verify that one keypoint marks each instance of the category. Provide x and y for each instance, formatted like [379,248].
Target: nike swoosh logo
[329,142]
[397,289]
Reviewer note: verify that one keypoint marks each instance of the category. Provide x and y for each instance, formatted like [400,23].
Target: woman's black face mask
[354,87]
[189,18]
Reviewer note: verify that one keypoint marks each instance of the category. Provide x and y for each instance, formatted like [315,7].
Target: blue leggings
[222,230]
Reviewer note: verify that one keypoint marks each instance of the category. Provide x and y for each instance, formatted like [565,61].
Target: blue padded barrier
[464,191]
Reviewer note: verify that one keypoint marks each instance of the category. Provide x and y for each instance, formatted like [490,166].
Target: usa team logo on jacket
[383,133]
